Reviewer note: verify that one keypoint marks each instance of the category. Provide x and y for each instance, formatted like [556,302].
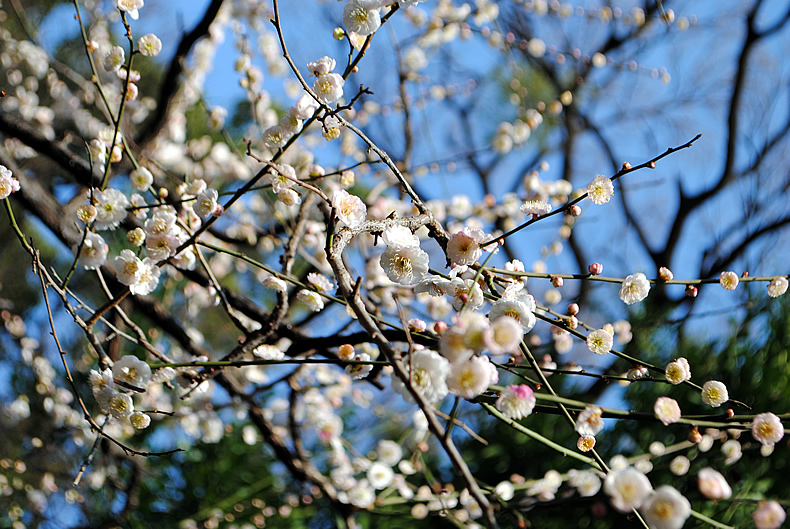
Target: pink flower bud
[575,211]
[573,322]
[556,282]
[573,309]
[595,269]
[692,291]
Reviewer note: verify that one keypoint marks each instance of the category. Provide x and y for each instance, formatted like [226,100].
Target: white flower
[589,421]
[132,370]
[149,45]
[128,267]
[162,222]
[465,293]
[350,209]
[516,402]
[729,280]
[161,247]
[600,190]
[282,177]
[362,495]
[329,87]
[275,283]
[149,278]
[380,475]
[400,237]
[276,136]
[470,378]
[405,265]
[680,465]
[111,207]
[114,59]
[769,515]
[714,393]
[600,342]
[732,451]
[635,288]
[464,246]
[139,420]
[519,308]
[120,405]
[305,107]
[504,336]
[99,381]
[776,288]
[505,490]
[768,429]
[131,7]
[359,371]
[206,203]
[9,184]
[713,485]
[268,352]
[667,410]
[389,452]
[94,251]
[627,488]
[311,299]
[322,66]
[141,179]
[289,197]
[536,208]
[319,282]
[428,375]
[666,508]
[362,16]
[678,371]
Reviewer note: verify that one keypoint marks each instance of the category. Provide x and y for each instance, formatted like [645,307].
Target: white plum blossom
[712,484]
[732,450]
[114,59]
[464,246]
[465,293]
[535,208]
[275,283]
[504,336]
[132,371]
[627,488]
[350,209]
[120,405]
[666,508]
[769,515]
[111,207]
[380,476]
[767,428]
[268,352]
[729,280]
[328,88]
[128,267]
[389,452]
[714,393]
[427,372]
[322,66]
[131,7]
[362,16]
[149,45]
[206,203]
[667,410]
[777,287]
[516,401]
[600,341]
[320,282]
[403,261]
[311,299]
[149,278]
[635,288]
[359,371]
[678,371]
[470,378]
[590,420]
[139,420]
[141,179]
[8,184]
[600,190]
[519,308]
[276,136]
[94,251]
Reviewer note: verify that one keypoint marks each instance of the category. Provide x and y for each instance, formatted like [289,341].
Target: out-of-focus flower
[627,488]
[666,508]
[667,410]
[767,428]
[713,485]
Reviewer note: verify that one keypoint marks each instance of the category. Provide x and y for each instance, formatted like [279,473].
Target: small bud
[573,322]
[575,210]
[694,436]
[346,351]
[665,274]
[573,309]
[692,291]
[556,281]
[626,166]
[595,269]
[745,274]
[218,211]
[338,33]
[730,413]
[163,192]
[652,165]
[439,327]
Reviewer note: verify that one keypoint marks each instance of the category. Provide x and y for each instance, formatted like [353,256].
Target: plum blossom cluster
[111,388]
